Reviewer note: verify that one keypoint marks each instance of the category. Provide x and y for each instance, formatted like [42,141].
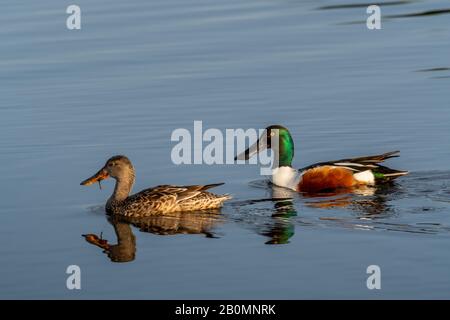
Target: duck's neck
[123,187]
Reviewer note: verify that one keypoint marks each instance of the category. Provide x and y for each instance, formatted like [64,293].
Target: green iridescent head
[278,139]
[285,144]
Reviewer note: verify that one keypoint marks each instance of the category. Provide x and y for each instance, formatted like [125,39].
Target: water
[136,71]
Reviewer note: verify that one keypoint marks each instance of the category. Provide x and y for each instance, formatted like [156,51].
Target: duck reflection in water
[278,227]
[368,203]
[281,228]
[177,223]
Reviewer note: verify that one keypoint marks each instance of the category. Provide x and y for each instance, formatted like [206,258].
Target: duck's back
[167,199]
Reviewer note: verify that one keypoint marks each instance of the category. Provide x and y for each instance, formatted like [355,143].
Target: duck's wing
[182,193]
[365,163]
[169,195]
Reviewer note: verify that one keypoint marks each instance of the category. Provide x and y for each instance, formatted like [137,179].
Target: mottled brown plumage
[167,199]
[159,200]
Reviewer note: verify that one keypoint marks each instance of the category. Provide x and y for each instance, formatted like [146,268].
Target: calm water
[138,70]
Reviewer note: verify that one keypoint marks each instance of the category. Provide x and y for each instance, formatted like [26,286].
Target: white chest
[286,177]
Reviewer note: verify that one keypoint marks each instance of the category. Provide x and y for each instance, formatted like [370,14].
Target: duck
[124,250]
[319,177]
[159,200]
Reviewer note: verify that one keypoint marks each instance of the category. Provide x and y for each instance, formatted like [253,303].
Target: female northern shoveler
[319,177]
[158,200]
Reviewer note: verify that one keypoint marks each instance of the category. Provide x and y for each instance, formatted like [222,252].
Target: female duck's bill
[102,174]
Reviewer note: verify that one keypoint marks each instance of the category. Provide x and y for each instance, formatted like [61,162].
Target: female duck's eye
[110,164]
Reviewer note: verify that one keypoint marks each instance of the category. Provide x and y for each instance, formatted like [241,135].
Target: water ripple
[418,204]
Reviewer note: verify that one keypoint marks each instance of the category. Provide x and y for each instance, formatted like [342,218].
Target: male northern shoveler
[319,177]
[159,200]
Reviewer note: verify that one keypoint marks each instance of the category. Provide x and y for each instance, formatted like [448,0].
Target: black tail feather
[213,185]
[373,159]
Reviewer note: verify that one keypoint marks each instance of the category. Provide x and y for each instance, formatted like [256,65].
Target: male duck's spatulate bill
[319,177]
[154,201]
